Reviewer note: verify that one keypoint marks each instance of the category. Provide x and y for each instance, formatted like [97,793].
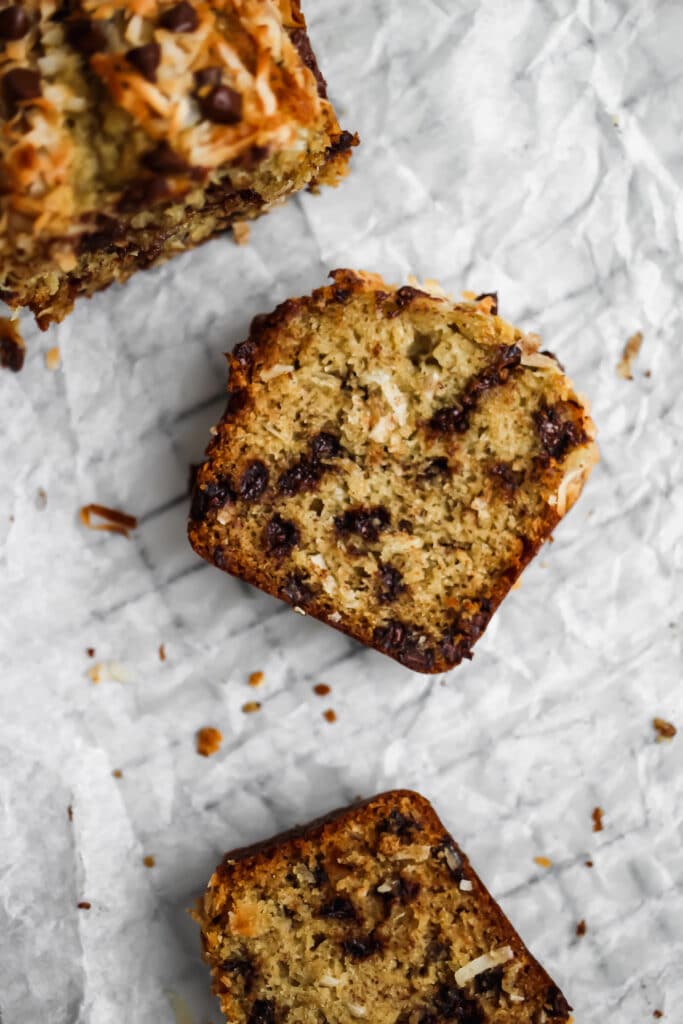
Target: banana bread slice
[389,462]
[134,131]
[370,914]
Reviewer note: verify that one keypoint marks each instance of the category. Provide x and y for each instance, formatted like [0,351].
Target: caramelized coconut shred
[98,97]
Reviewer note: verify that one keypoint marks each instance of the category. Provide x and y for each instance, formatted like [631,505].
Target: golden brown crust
[347,851]
[561,453]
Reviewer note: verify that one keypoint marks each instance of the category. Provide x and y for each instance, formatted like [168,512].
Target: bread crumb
[322,689]
[90,651]
[115,521]
[209,741]
[70,813]
[84,905]
[330,715]
[543,862]
[256,678]
[148,861]
[12,347]
[597,819]
[241,232]
[588,863]
[665,730]
[251,706]
[53,358]
[631,350]
[117,773]
[41,498]
[581,928]
[111,671]
[162,652]
[657,1014]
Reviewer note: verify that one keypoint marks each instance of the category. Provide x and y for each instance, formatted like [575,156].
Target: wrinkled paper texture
[529,147]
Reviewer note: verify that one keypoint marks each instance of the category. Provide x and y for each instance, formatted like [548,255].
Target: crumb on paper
[53,358]
[209,741]
[322,689]
[114,521]
[162,652]
[588,863]
[107,671]
[581,928]
[149,861]
[628,356]
[665,730]
[256,678]
[70,813]
[41,498]
[657,1014]
[543,862]
[12,347]
[597,819]
[117,773]
[251,707]
[330,715]
[90,651]
[241,232]
[84,905]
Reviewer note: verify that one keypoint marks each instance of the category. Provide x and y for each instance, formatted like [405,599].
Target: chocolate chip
[253,481]
[368,523]
[296,591]
[405,525]
[325,445]
[262,1012]
[242,967]
[164,160]
[446,854]
[304,475]
[405,644]
[391,583]
[338,909]
[145,59]
[506,476]
[208,76]
[86,36]
[361,949]
[555,1003]
[281,535]
[454,1005]
[20,84]
[455,419]
[557,435]
[489,295]
[436,467]
[222,105]
[181,18]
[450,420]
[398,824]
[14,23]
[416,656]
[214,495]
[303,47]
[344,142]
[489,982]
[390,636]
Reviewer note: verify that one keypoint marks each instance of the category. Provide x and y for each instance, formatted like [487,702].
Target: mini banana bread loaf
[371,914]
[133,131]
[389,462]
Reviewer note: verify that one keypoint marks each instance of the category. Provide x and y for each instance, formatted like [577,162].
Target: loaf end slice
[389,462]
[131,132]
[373,913]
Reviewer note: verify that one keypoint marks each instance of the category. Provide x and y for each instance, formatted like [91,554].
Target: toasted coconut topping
[99,96]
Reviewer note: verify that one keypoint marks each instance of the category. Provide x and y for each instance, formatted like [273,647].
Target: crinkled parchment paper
[530,147]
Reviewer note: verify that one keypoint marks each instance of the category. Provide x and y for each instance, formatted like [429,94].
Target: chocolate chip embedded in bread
[254,481]
[281,535]
[181,18]
[262,1012]
[212,496]
[20,85]
[14,23]
[557,434]
[391,583]
[145,59]
[165,160]
[86,36]
[297,591]
[368,523]
[338,909]
[361,948]
[222,105]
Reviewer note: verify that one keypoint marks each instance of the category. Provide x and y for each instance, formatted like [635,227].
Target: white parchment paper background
[532,146]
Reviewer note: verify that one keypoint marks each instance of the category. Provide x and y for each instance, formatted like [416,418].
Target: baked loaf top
[389,462]
[371,914]
[112,106]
